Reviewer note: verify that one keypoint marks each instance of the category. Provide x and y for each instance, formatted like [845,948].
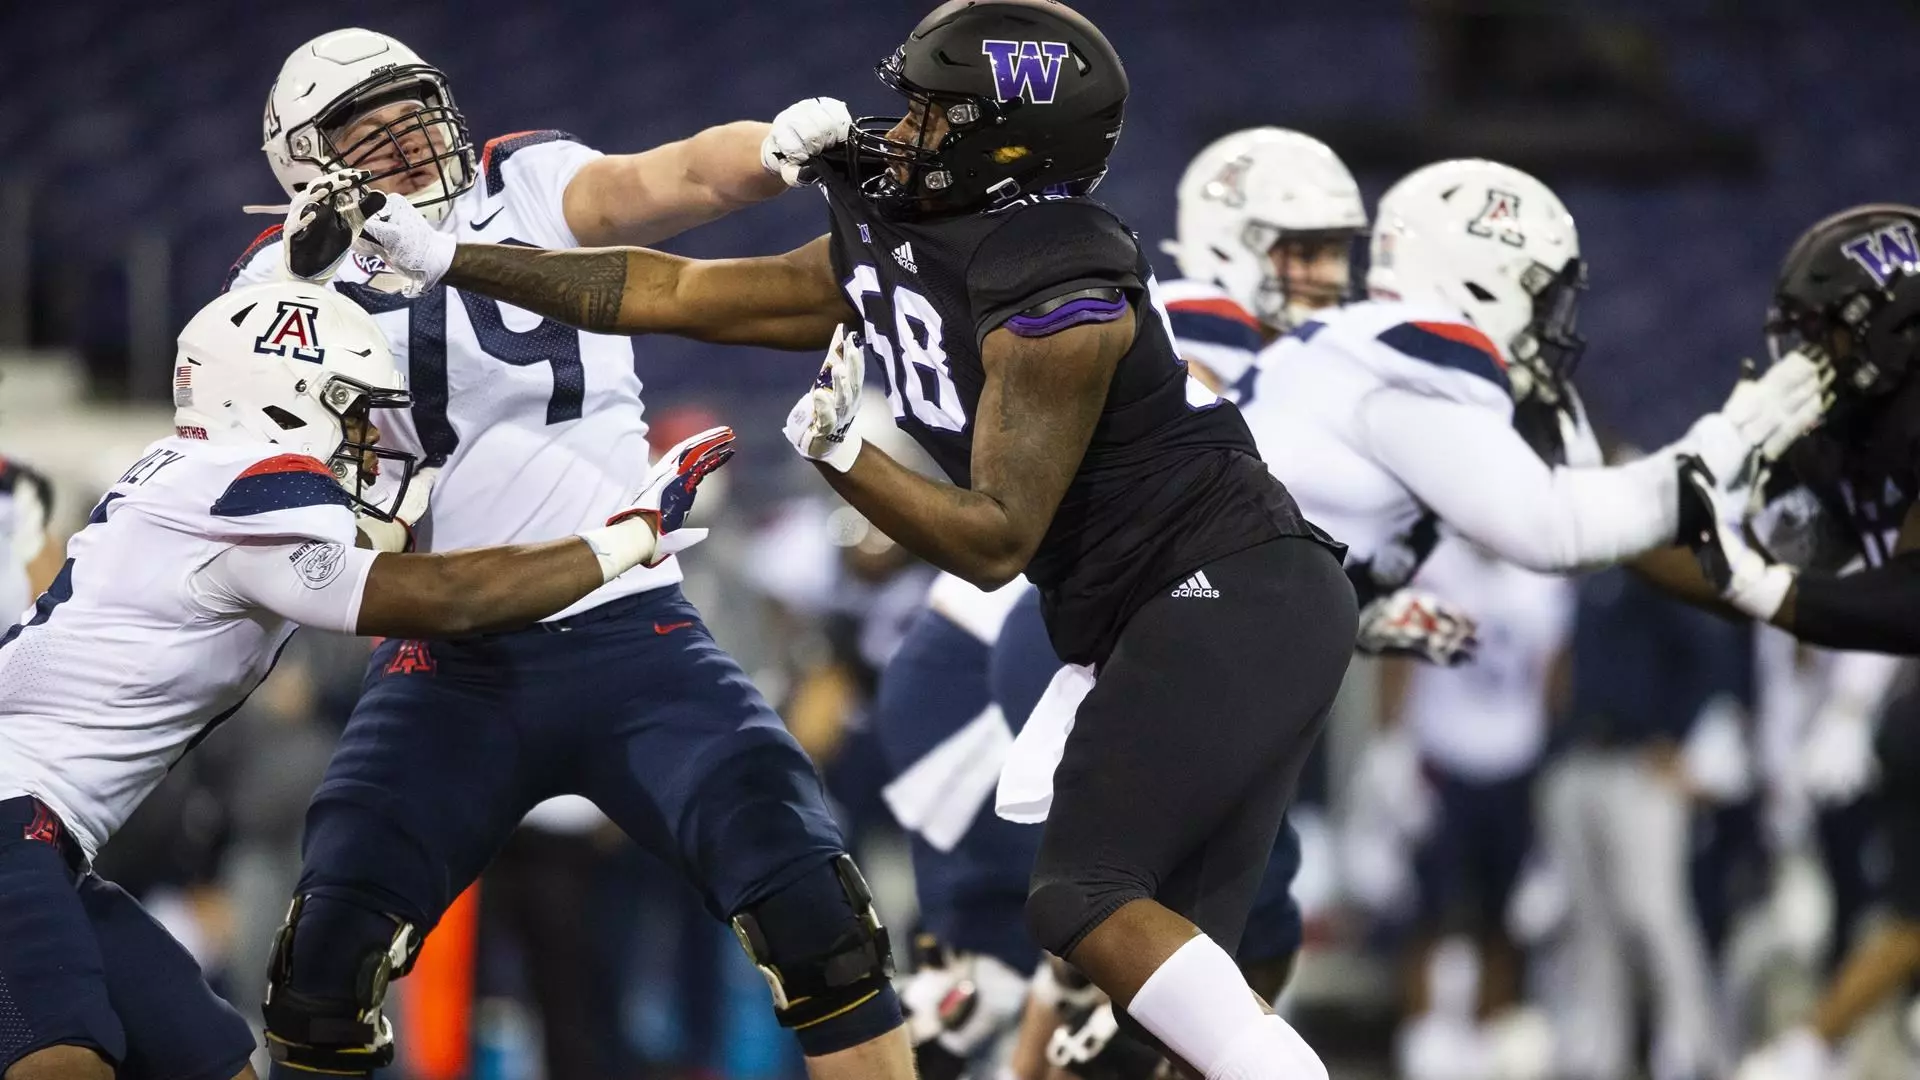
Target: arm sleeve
[1876,610]
[1490,486]
[315,583]
[1047,251]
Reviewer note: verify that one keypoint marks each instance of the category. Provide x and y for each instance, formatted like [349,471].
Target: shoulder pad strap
[499,149]
[1452,345]
[269,235]
[286,482]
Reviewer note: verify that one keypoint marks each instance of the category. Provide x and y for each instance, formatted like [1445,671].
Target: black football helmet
[1851,286]
[1032,96]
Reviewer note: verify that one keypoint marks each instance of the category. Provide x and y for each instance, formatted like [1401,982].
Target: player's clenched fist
[820,425]
[801,131]
[399,235]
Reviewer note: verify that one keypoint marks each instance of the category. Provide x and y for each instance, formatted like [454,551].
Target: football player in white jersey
[530,422]
[1444,398]
[172,606]
[1267,222]
[26,501]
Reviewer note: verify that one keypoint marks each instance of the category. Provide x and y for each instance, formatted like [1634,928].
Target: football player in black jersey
[1835,558]
[1014,321]
[1832,551]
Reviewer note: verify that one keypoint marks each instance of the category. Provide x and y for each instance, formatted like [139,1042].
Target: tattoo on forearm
[582,288]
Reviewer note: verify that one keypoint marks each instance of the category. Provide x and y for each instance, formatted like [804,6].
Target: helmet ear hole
[285,419]
[1479,293]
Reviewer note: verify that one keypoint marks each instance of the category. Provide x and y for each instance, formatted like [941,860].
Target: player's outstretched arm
[1037,411]
[645,198]
[788,301]
[474,592]
[328,585]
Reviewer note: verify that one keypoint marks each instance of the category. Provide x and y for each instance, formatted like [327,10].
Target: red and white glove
[1410,622]
[802,131]
[649,531]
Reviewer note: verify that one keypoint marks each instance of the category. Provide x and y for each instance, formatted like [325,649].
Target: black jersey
[1168,483]
[1846,488]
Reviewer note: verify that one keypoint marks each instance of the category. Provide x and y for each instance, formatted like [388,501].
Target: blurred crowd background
[1651,830]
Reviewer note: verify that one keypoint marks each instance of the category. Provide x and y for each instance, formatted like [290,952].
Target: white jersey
[1487,720]
[538,425]
[1385,418]
[163,619]
[1210,328]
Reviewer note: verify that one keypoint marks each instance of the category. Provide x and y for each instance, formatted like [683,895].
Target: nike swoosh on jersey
[488,220]
[668,628]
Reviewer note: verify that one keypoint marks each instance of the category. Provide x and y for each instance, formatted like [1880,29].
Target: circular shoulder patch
[318,563]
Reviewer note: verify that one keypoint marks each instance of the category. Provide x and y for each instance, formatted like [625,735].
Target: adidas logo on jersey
[904,256]
[1197,585]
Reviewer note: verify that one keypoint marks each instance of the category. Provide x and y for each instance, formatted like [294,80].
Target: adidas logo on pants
[1197,585]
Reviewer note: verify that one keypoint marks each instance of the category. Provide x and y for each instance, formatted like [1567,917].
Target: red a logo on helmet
[295,333]
[1499,219]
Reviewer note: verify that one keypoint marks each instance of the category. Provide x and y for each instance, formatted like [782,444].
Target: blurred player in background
[1445,397]
[171,607]
[1834,526]
[1267,223]
[1832,557]
[529,422]
[1478,732]
[26,506]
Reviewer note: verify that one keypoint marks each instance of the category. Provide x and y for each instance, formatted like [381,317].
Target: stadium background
[1692,140]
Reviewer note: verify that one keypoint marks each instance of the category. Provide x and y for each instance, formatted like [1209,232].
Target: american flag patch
[182,386]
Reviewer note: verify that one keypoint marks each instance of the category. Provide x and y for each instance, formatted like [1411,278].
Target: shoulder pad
[1449,345]
[283,482]
[267,238]
[499,149]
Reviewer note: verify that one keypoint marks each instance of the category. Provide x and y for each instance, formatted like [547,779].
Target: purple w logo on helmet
[1029,69]
[1885,251]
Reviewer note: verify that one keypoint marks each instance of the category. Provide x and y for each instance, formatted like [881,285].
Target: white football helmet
[336,77]
[289,363]
[1497,245]
[1251,190]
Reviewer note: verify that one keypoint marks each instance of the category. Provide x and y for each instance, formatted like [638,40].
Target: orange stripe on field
[436,1037]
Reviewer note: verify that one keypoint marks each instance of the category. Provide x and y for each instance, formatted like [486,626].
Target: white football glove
[1410,622]
[820,424]
[1743,577]
[801,131]
[416,252]
[1762,418]
[321,225]
[397,535]
[1836,757]
[648,532]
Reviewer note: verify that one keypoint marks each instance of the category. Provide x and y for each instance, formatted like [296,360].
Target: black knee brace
[1062,911]
[326,981]
[822,951]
